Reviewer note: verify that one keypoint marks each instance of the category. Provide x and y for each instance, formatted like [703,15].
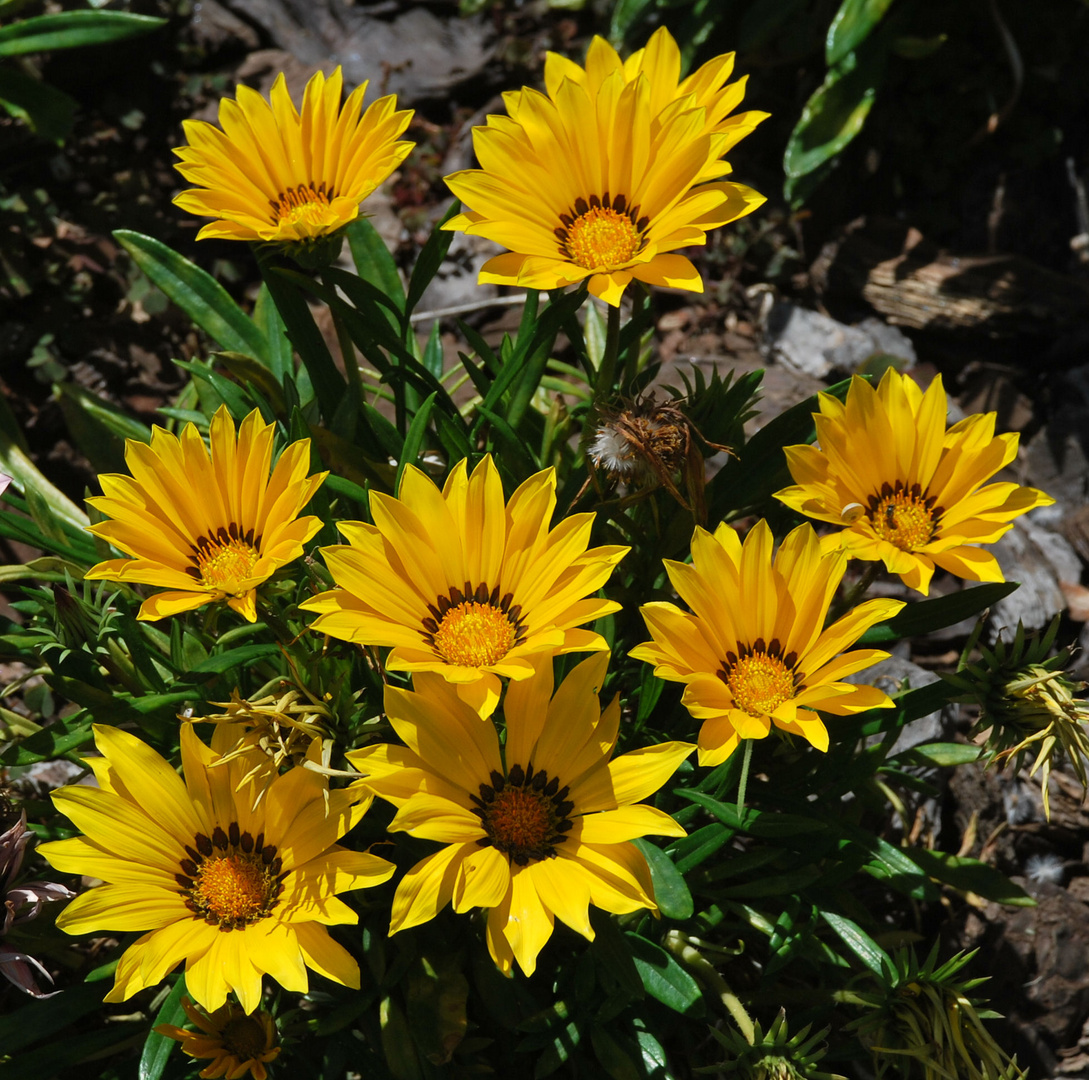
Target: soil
[73,309]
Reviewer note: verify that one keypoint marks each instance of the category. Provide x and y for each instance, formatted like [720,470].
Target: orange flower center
[305,204]
[602,238]
[231,879]
[525,814]
[760,680]
[474,627]
[602,233]
[224,561]
[245,1038]
[905,518]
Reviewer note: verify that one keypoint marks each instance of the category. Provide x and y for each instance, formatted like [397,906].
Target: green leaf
[62,737]
[98,428]
[834,115]
[397,1045]
[970,875]
[851,26]
[221,662]
[891,864]
[67,1056]
[625,14]
[27,479]
[910,706]
[72,30]
[271,327]
[770,884]
[670,891]
[430,259]
[664,979]
[374,263]
[752,821]
[253,373]
[47,111]
[860,943]
[613,952]
[197,293]
[923,616]
[698,847]
[329,385]
[944,755]
[655,1060]
[414,439]
[612,1056]
[157,1047]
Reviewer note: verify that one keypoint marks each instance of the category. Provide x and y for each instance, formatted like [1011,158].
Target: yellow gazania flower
[463,586]
[535,832]
[604,178]
[238,1045]
[235,890]
[272,174]
[206,527]
[660,61]
[754,651]
[904,490]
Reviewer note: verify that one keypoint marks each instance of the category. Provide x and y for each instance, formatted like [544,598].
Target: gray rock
[890,675]
[415,55]
[1039,560]
[815,344]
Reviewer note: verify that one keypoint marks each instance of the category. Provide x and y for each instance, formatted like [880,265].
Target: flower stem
[703,969]
[606,373]
[743,783]
[347,352]
[276,624]
[853,596]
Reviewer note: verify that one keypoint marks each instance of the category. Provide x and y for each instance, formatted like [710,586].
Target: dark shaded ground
[74,310]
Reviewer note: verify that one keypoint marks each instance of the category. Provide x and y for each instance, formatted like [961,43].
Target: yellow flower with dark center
[608,175]
[535,831]
[903,489]
[274,174]
[238,1045]
[754,651]
[660,63]
[463,585]
[236,890]
[206,527]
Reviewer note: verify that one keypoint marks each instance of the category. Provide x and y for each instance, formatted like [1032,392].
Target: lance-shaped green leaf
[835,113]
[851,26]
[72,30]
[197,293]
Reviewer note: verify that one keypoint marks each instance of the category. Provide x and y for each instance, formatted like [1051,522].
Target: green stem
[606,373]
[704,970]
[853,596]
[743,783]
[347,351]
[272,620]
[640,300]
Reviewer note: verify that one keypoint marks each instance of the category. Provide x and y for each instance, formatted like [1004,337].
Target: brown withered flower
[647,444]
[19,903]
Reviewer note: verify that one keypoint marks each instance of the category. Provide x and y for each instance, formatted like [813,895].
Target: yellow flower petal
[754,646]
[635,147]
[904,490]
[312,168]
[234,889]
[208,525]
[515,830]
[398,587]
